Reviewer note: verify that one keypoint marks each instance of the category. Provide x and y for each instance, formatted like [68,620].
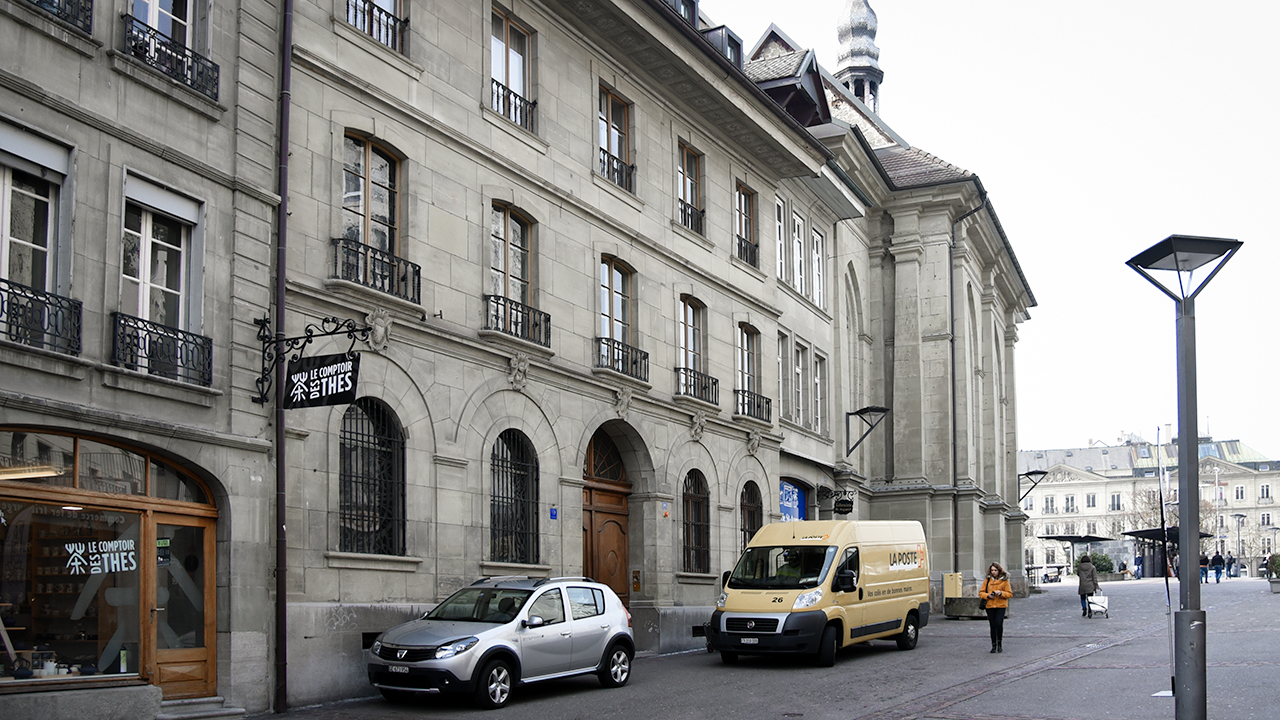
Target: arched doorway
[605,516]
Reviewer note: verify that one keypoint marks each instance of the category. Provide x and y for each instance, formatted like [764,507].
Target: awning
[1156,534]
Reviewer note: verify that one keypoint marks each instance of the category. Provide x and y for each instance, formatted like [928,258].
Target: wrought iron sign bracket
[826,493]
[275,350]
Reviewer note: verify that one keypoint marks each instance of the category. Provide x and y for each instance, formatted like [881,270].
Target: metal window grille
[377,269]
[509,104]
[171,57]
[697,524]
[378,23]
[371,480]
[618,171]
[76,12]
[39,319]
[698,385]
[752,512]
[161,350]
[513,507]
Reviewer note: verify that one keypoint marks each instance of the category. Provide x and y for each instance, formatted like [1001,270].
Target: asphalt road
[1056,665]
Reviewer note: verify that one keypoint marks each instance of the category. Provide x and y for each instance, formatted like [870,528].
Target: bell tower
[859,61]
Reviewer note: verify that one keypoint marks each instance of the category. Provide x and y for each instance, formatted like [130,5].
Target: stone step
[198,709]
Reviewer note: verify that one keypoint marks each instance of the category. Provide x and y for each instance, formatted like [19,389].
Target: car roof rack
[500,578]
[542,581]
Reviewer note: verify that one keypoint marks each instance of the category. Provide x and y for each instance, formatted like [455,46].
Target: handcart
[1098,605]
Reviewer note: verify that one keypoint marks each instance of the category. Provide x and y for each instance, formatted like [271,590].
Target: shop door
[604,529]
[181,613]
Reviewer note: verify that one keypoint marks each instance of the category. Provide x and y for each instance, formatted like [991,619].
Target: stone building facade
[624,280]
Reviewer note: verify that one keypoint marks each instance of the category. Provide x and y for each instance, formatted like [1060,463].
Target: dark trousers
[995,618]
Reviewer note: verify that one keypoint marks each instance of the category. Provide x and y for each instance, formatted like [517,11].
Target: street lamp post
[1239,548]
[1183,255]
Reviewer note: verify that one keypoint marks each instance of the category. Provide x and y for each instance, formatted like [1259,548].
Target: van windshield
[783,567]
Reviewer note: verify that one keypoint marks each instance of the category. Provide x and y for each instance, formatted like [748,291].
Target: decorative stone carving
[379,322]
[698,425]
[753,442]
[623,403]
[518,372]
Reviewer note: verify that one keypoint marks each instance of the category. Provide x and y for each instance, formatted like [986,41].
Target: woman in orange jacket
[996,591]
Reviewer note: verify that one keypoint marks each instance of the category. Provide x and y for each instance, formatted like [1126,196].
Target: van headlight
[456,647]
[720,601]
[808,599]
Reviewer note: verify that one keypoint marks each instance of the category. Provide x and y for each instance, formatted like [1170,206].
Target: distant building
[1109,490]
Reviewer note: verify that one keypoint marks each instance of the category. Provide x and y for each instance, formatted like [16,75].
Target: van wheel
[827,647]
[728,657]
[493,687]
[910,633]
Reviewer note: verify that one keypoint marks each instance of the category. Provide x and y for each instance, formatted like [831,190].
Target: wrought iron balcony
[753,405]
[748,252]
[510,105]
[518,320]
[39,319]
[691,217]
[377,23]
[373,268]
[170,57]
[621,357]
[161,350]
[698,385]
[617,171]
[78,13]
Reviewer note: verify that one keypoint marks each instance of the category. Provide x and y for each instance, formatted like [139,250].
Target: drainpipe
[281,701]
[955,422]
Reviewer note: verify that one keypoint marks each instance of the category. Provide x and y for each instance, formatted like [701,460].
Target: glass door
[181,614]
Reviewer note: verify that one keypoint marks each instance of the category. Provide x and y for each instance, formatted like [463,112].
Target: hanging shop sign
[321,380]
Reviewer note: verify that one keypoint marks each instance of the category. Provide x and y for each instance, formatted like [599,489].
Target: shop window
[371,480]
[513,503]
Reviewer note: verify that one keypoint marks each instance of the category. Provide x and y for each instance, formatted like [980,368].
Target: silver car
[498,633]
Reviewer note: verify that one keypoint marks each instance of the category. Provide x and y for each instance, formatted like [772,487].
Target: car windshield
[777,568]
[494,605]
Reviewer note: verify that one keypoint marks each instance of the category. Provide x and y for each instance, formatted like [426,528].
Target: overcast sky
[1099,128]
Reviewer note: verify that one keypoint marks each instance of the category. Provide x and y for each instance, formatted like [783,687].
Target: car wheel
[396,696]
[827,647]
[615,671]
[910,633]
[493,689]
[728,657]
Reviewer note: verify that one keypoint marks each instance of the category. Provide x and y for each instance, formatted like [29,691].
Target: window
[697,524]
[585,602]
[1222,521]
[509,67]
[690,341]
[1028,503]
[1239,492]
[819,393]
[797,253]
[1144,451]
[748,360]
[161,34]
[1264,490]
[1050,505]
[513,500]
[1091,528]
[1050,529]
[688,10]
[616,352]
[380,20]
[615,150]
[784,372]
[818,246]
[1069,504]
[1050,556]
[688,179]
[780,235]
[1069,529]
[371,480]
[1265,519]
[800,386]
[509,300]
[744,212]
[1090,500]
[1115,502]
[752,508]
[549,607]
[369,195]
[152,266]
[1029,557]
[32,314]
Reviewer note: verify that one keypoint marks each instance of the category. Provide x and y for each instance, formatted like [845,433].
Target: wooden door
[604,529]
[182,616]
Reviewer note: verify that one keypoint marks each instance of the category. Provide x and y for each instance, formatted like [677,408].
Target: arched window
[752,508]
[513,506]
[697,524]
[371,480]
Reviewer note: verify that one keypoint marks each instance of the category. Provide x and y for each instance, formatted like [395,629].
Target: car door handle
[566,633]
[604,627]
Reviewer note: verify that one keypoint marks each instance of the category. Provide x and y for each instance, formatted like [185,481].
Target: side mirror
[533,622]
[724,580]
[845,582]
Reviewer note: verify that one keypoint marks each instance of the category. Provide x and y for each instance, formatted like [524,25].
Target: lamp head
[1184,254]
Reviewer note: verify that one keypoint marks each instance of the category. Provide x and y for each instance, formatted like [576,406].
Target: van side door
[849,598]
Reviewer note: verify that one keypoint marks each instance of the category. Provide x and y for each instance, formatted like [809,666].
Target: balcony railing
[510,105]
[753,405]
[1266,500]
[161,350]
[691,217]
[377,23]
[748,252]
[698,385]
[373,268]
[39,319]
[621,357]
[78,13]
[170,57]
[516,319]
[617,171]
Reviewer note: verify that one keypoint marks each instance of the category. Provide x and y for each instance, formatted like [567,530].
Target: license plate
[750,641]
[398,668]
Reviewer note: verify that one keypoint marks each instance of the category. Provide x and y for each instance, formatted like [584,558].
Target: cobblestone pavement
[1056,666]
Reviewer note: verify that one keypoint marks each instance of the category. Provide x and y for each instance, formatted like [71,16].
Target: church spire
[859,66]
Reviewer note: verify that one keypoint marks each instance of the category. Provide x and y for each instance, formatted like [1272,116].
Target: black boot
[993,647]
[1084,613]
[1000,646]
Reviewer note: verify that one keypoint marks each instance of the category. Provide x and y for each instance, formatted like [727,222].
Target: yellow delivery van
[813,587]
